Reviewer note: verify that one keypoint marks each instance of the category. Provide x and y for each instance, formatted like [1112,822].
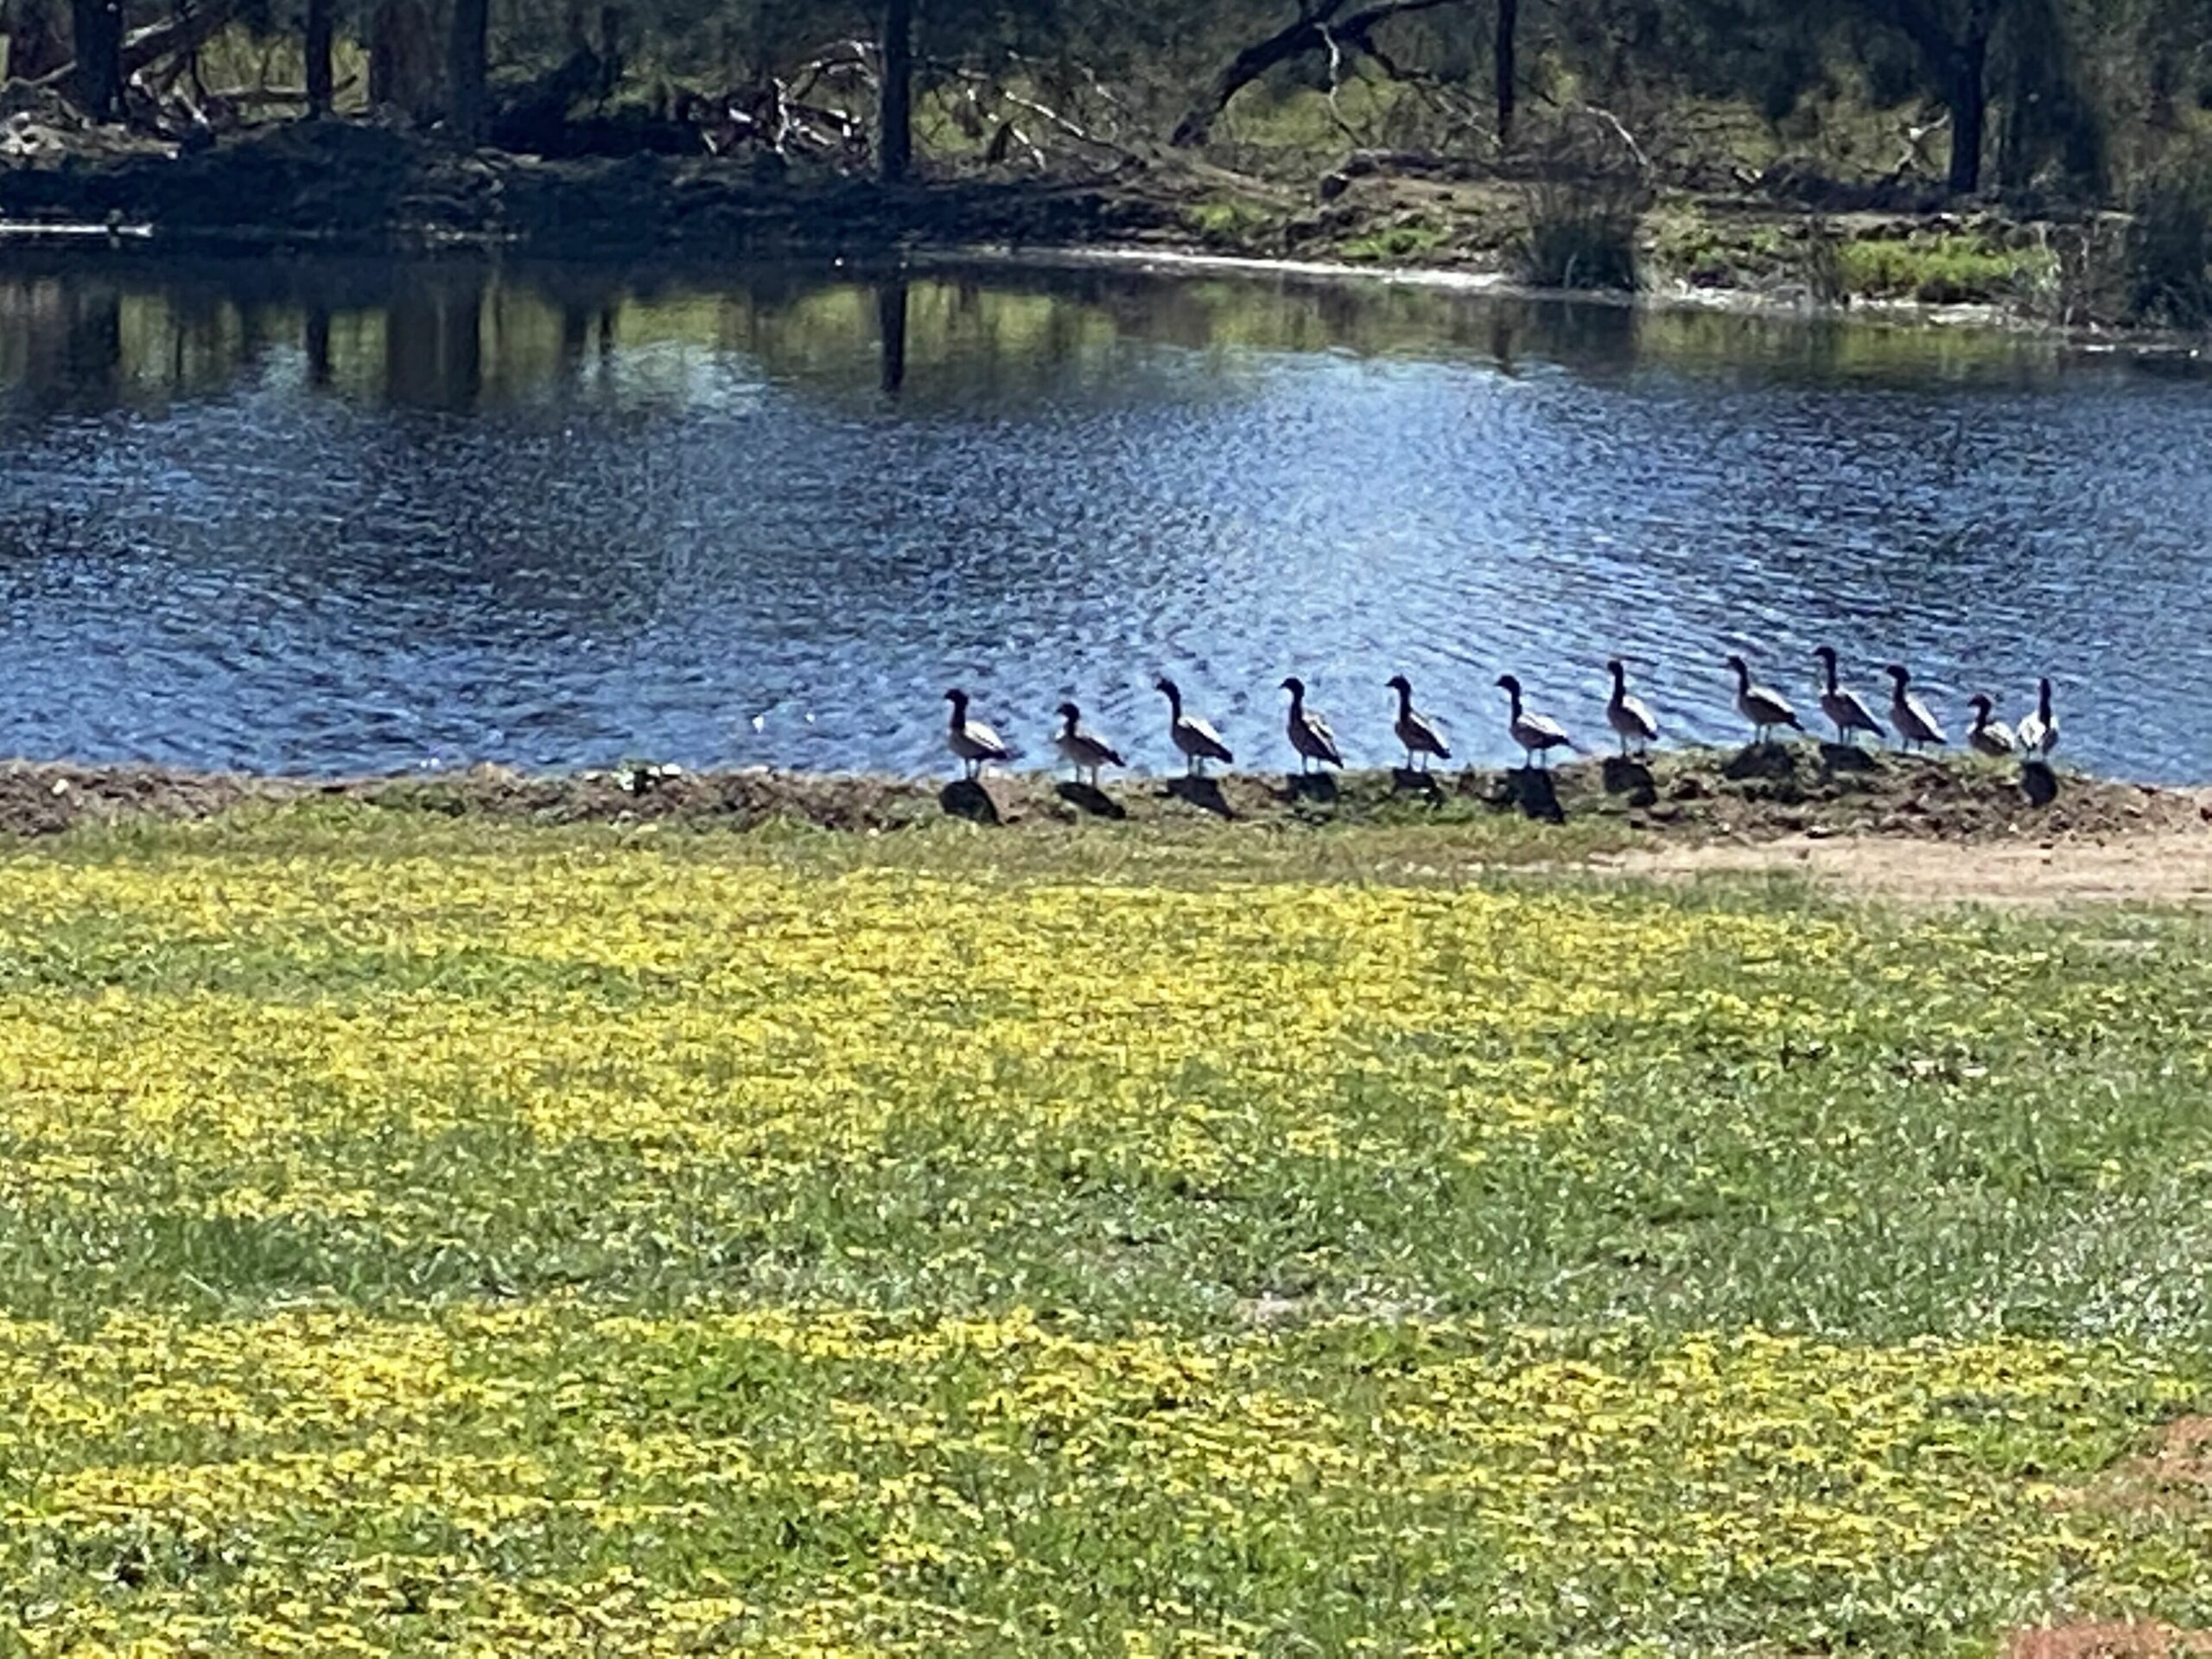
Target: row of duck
[1426,738]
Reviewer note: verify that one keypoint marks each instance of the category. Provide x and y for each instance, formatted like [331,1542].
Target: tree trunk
[404,58]
[1969,102]
[1507,71]
[895,147]
[465,70]
[98,28]
[316,45]
[891,333]
[318,345]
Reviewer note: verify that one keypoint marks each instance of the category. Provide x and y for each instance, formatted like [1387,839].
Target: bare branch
[1310,32]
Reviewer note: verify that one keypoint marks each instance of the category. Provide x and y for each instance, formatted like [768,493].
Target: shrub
[2170,246]
[1584,234]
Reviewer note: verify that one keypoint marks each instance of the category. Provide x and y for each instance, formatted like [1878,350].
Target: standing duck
[1421,734]
[1084,751]
[1910,715]
[1987,735]
[1309,733]
[1765,710]
[970,740]
[2039,731]
[1198,741]
[1630,718]
[1845,709]
[1536,734]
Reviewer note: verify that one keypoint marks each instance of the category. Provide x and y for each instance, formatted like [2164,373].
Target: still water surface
[310,517]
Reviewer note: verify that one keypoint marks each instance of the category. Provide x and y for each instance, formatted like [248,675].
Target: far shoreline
[294,192]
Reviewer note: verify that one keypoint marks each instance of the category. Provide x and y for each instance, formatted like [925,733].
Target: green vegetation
[1941,269]
[1584,238]
[2170,245]
[1404,240]
[431,1236]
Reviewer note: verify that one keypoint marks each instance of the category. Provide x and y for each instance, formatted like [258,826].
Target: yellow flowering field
[448,1238]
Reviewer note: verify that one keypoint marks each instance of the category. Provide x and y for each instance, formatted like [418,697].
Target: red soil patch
[2107,1639]
[2175,1475]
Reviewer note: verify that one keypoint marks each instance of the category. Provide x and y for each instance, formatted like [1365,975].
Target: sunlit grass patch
[459,1237]
[1942,269]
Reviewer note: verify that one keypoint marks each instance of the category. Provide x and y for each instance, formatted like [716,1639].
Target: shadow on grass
[1533,792]
[965,797]
[1849,757]
[1088,798]
[1768,760]
[1406,780]
[1201,793]
[1627,775]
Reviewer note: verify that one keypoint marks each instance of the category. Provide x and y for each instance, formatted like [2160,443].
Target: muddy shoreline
[1689,798]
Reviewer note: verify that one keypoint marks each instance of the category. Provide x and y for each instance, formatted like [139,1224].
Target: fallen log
[1325,27]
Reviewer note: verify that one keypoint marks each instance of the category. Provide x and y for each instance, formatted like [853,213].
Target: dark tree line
[2044,88]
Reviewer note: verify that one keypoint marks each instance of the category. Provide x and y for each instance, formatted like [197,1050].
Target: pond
[304,518]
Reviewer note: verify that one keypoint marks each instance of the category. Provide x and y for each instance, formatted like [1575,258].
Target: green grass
[426,1233]
[1395,242]
[1237,221]
[1941,270]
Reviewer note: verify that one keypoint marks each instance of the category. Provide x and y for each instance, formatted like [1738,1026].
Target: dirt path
[2158,867]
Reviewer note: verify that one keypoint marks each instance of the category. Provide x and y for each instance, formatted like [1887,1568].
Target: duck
[1765,710]
[1197,741]
[1987,736]
[1845,709]
[1421,734]
[1631,717]
[970,740]
[1536,734]
[1309,733]
[1908,714]
[1084,751]
[2039,731]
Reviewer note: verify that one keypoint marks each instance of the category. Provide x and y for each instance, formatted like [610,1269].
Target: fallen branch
[1317,25]
[1607,119]
[974,84]
[145,47]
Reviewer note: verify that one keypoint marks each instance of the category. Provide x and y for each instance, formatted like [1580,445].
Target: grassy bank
[452,1236]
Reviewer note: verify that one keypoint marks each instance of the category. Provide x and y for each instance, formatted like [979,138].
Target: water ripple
[719,541]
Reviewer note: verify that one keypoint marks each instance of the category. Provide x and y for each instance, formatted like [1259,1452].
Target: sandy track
[2161,866]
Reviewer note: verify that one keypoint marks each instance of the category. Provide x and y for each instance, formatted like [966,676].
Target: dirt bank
[1800,796]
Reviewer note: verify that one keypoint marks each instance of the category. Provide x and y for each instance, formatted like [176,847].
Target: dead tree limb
[1318,22]
[187,32]
[976,86]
